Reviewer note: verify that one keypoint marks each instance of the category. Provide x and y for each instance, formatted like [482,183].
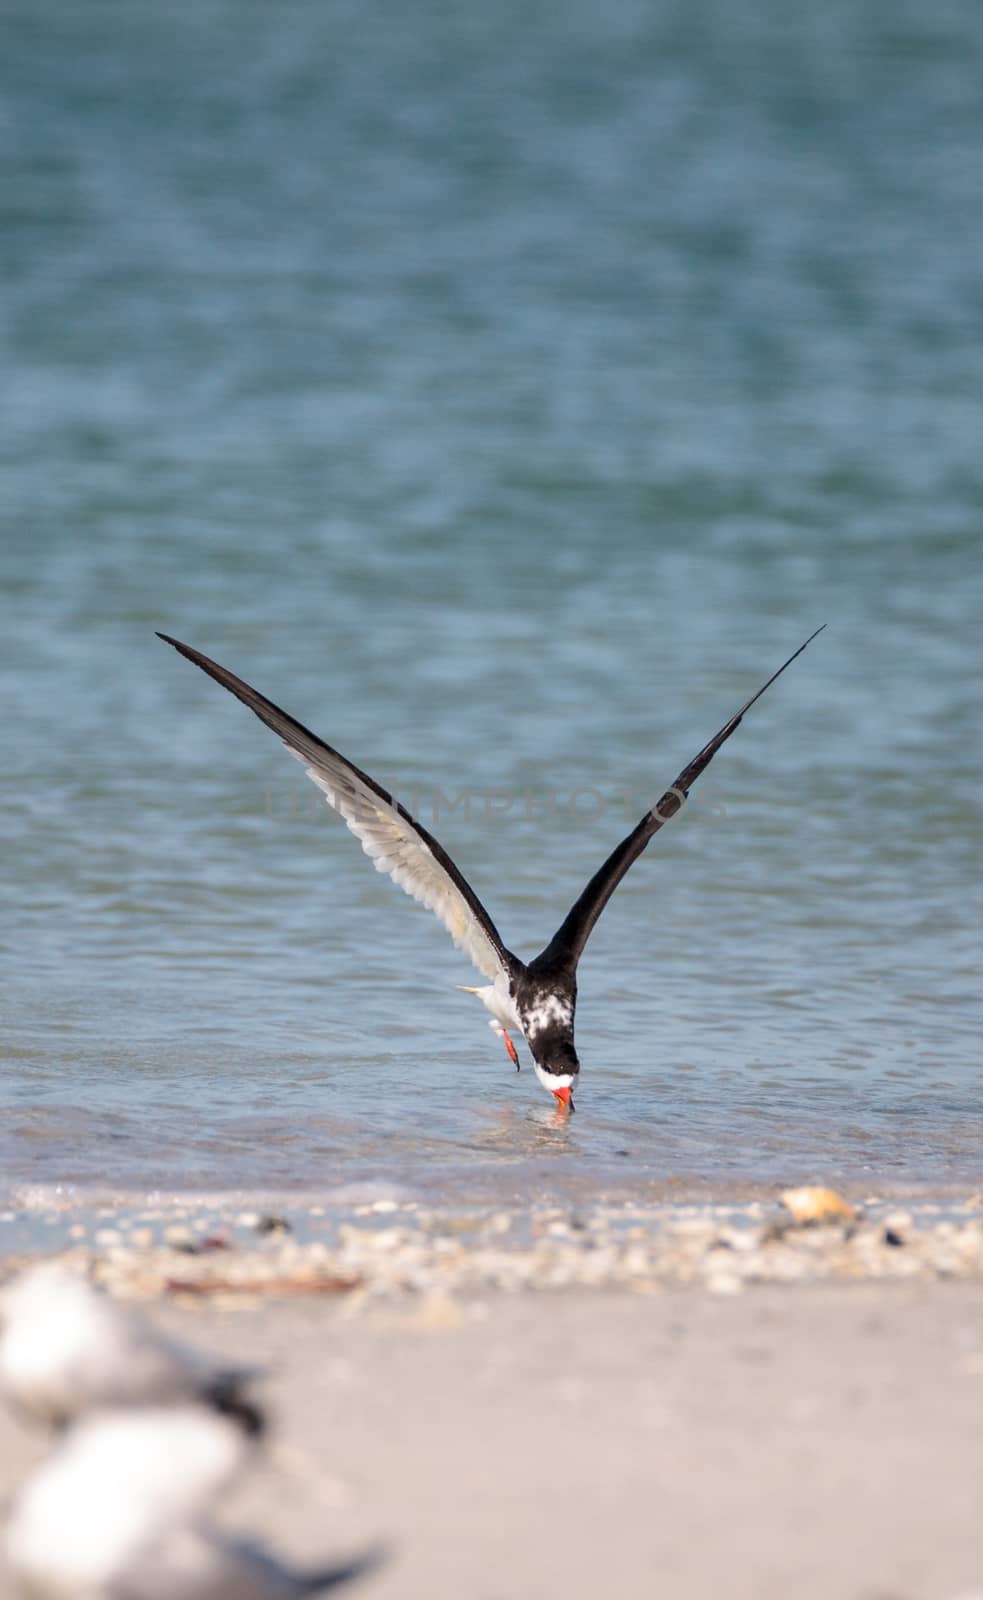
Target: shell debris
[814,1205]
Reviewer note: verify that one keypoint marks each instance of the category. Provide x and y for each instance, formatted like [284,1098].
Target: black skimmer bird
[536,999]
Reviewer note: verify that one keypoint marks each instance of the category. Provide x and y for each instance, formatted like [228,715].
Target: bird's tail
[320,1579]
[225,1396]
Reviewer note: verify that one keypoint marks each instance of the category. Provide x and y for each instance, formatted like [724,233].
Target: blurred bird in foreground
[66,1348]
[154,1431]
[116,1513]
[116,1484]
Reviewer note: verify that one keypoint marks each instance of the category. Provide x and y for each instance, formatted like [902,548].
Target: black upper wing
[567,944]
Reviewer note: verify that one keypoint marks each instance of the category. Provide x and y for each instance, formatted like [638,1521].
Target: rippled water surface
[505,391]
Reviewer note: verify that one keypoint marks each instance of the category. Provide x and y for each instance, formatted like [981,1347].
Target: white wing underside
[397,849]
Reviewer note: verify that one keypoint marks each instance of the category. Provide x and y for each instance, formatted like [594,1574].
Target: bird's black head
[557,1059]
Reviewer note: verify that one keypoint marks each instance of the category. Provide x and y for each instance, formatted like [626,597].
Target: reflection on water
[539,1131]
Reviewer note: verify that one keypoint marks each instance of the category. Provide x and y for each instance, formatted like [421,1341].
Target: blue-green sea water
[505,390]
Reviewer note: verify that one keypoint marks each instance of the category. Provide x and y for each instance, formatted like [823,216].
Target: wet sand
[697,1433]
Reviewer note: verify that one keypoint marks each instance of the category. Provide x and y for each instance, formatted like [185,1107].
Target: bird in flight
[535,999]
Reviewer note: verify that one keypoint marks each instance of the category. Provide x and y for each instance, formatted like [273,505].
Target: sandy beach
[676,1426]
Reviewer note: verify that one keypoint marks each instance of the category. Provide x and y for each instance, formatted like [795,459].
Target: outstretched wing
[567,944]
[395,841]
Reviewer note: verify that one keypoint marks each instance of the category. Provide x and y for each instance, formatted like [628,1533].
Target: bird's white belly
[499,1002]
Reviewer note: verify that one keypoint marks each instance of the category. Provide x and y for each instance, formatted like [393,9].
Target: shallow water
[506,395]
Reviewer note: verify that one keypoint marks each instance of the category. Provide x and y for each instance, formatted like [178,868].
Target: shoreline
[383,1246]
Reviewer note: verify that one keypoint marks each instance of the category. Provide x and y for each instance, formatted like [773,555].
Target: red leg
[510,1047]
